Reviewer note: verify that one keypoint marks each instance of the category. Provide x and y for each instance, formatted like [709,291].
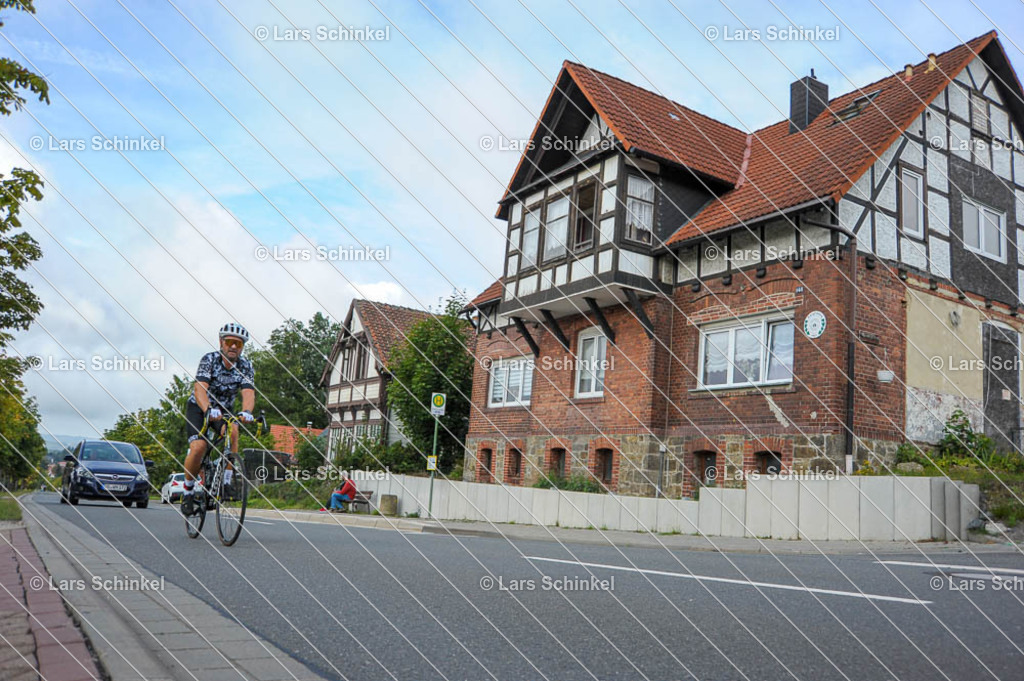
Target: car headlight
[84,474]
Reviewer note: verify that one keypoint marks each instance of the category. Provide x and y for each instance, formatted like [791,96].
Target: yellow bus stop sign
[437,403]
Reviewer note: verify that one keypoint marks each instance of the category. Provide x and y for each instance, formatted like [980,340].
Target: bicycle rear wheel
[231,502]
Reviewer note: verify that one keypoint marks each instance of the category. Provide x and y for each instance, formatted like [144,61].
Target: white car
[172,489]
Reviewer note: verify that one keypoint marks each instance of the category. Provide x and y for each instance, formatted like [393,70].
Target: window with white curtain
[639,209]
[756,352]
[591,354]
[511,382]
[531,233]
[556,228]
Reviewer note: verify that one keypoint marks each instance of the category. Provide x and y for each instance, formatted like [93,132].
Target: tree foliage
[288,371]
[434,358]
[21,446]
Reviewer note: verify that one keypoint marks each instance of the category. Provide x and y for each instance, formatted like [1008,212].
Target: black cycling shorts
[194,418]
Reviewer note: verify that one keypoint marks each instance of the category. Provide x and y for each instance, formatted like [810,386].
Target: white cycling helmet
[236,330]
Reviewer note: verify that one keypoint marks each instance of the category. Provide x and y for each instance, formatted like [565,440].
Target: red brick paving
[45,644]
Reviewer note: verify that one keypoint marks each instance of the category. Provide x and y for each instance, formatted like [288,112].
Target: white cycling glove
[213,414]
[245,417]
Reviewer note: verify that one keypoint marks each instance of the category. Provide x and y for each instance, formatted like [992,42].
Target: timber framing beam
[595,310]
[525,333]
[638,309]
[554,328]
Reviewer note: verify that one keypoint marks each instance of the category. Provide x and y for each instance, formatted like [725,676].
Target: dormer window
[639,209]
[855,108]
[556,228]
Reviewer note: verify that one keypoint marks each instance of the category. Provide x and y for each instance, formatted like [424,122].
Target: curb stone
[140,637]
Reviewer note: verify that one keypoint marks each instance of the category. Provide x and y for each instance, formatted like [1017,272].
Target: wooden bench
[362,499]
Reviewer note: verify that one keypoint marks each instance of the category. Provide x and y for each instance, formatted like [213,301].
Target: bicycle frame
[213,495]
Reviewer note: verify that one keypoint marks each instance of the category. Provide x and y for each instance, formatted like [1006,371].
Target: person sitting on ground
[345,492]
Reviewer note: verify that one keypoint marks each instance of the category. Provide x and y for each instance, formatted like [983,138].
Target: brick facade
[651,401]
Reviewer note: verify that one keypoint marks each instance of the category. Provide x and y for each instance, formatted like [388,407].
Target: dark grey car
[107,470]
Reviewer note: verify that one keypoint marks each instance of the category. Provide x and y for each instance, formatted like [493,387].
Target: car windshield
[120,452]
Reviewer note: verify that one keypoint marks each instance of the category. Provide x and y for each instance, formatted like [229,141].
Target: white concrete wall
[850,508]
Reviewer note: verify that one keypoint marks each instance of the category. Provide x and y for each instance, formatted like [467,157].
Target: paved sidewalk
[146,633]
[39,638]
[347,519]
[689,542]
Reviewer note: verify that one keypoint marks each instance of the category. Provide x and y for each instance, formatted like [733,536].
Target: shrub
[578,482]
[961,445]
[1008,512]
[910,453]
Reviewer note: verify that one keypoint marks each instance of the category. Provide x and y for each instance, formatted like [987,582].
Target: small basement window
[557,462]
[514,467]
[603,465]
[768,463]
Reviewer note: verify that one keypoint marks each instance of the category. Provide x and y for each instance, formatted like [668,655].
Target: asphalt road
[372,604]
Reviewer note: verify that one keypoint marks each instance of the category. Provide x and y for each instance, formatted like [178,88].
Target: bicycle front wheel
[194,522]
[231,502]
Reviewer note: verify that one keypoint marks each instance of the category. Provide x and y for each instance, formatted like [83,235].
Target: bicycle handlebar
[227,419]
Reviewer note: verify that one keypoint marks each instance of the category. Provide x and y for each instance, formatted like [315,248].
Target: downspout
[851,354]
[663,449]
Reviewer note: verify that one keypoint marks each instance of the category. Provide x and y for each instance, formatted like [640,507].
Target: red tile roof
[491,293]
[386,325]
[288,439]
[647,122]
[787,169]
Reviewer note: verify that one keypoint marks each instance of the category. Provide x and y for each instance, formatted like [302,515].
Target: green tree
[288,371]
[143,428]
[434,358]
[21,446]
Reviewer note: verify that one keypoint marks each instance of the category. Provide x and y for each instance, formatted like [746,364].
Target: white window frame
[599,373]
[762,323]
[918,192]
[503,365]
[981,208]
[631,215]
[559,244]
[526,262]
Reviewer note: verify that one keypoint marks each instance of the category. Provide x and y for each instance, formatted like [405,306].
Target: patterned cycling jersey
[224,383]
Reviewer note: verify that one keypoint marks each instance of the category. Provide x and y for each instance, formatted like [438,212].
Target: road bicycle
[227,501]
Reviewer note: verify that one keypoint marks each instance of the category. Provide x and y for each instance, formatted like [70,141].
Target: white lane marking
[946,566]
[259,522]
[741,582]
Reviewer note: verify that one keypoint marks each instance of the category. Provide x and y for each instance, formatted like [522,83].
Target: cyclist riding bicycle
[219,378]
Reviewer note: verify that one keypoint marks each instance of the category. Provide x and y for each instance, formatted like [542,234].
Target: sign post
[437,405]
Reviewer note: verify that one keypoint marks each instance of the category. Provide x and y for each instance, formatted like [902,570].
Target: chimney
[931,63]
[908,72]
[808,97]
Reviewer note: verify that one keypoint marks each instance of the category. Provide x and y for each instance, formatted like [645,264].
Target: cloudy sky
[268,141]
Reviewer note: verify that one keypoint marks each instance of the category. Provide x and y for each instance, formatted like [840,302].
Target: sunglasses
[233,343]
